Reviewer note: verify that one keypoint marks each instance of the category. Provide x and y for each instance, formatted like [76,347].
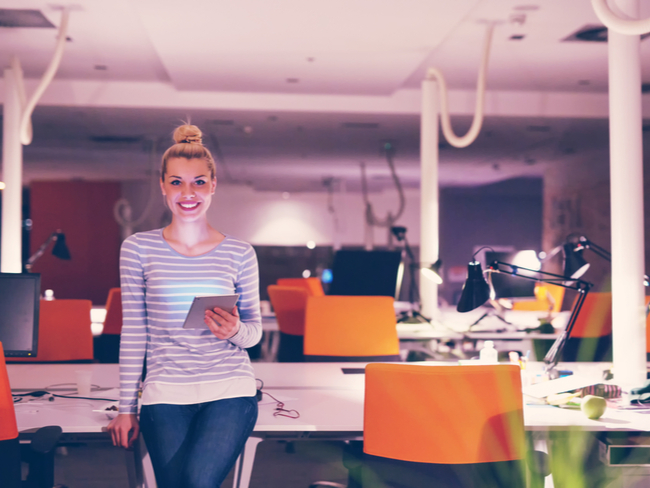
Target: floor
[99,465]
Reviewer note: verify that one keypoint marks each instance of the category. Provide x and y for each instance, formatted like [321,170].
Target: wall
[84,212]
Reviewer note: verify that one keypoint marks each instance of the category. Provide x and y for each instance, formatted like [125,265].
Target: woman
[198,395]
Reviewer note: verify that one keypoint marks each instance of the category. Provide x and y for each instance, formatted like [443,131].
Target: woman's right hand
[124,430]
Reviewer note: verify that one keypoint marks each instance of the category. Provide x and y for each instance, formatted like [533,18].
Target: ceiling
[291,93]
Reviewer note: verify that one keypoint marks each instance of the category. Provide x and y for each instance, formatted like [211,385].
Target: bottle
[489,354]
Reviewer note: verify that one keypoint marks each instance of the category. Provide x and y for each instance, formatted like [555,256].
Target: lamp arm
[41,250]
[542,276]
[477,122]
[630,27]
[553,355]
[602,252]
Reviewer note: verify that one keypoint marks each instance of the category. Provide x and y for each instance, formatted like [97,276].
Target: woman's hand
[124,430]
[223,325]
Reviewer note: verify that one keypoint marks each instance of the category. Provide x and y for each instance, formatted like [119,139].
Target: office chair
[548,298]
[442,426]
[106,346]
[591,337]
[64,332]
[350,328]
[40,455]
[312,285]
[289,305]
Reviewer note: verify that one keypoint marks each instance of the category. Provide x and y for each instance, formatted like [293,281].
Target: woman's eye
[175,182]
[200,182]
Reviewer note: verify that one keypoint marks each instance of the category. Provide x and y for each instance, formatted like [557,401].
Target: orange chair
[591,337]
[312,285]
[450,426]
[107,344]
[289,305]
[64,332]
[41,455]
[350,328]
[548,299]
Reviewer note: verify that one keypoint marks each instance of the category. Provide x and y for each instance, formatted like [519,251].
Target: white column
[429,245]
[12,175]
[626,176]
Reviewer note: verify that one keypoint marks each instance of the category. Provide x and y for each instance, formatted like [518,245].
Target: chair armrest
[45,439]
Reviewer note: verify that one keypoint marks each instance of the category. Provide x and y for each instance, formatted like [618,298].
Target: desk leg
[244,464]
[144,468]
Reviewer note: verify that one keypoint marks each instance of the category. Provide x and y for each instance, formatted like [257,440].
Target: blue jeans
[195,446]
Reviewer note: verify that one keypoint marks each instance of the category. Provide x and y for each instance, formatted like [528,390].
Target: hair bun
[188,134]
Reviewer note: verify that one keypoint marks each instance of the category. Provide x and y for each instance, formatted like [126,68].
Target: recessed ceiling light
[311,60]
[101,67]
[293,80]
[517,37]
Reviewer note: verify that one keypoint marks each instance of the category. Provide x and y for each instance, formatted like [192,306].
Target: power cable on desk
[39,393]
[280,411]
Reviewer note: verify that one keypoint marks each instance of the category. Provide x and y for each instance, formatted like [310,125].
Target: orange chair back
[350,326]
[64,332]
[289,305]
[312,285]
[595,317]
[542,302]
[444,414]
[113,320]
[8,426]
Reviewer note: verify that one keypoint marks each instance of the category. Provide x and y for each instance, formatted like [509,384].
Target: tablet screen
[195,316]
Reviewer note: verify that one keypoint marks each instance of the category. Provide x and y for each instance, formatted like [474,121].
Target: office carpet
[99,465]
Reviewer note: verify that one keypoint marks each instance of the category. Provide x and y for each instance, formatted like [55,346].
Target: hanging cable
[122,208]
[26,132]
[477,122]
[390,219]
[630,27]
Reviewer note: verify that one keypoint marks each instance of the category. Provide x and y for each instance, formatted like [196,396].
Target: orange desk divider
[8,426]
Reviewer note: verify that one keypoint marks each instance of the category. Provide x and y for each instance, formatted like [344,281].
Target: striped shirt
[158,286]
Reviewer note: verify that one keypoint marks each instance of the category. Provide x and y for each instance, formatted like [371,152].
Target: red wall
[84,212]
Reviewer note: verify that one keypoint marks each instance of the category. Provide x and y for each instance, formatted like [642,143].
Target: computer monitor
[512,287]
[19,303]
[365,273]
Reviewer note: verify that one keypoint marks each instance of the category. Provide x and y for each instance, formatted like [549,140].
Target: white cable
[630,27]
[477,122]
[25,124]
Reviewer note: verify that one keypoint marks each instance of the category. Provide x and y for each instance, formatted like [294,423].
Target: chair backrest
[289,305]
[8,425]
[444,414]
[595,317]
[64,332]
[350,328]
[113,320]
[542,302]
[312,285]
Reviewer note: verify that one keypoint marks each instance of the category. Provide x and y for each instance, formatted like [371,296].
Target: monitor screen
[513,287]
[357,272]
[19,301]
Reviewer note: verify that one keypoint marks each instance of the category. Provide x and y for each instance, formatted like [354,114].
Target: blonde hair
[188,144]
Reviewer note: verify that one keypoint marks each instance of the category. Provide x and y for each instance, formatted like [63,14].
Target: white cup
[265,308]
[84,378]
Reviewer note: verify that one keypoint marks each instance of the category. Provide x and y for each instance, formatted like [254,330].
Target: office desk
[330,405]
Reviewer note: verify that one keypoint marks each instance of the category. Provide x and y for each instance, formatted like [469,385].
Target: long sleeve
[133,342]
[250,330]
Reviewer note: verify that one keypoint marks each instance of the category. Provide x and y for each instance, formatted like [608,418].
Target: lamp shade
[475,291]
[433,272]
[60,249]
[574,264]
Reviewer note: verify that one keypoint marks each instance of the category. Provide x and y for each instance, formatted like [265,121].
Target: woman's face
[188,188]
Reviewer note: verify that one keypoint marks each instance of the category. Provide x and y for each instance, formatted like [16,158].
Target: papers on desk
[559,385]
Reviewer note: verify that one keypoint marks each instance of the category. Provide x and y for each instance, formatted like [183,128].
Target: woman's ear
[214,185]
[162,187]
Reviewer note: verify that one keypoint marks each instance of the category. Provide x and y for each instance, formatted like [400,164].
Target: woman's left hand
[223,324]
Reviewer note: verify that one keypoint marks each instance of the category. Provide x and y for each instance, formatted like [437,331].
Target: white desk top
[327,399]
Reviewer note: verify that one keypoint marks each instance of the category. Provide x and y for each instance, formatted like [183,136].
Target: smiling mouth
[189,205]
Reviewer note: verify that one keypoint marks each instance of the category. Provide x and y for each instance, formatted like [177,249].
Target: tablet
[195,316]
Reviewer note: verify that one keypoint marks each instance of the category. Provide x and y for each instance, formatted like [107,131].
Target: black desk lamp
[60,249]
[476,292]
[431,271]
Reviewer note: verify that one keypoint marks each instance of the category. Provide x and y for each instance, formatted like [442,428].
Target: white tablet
[195,316]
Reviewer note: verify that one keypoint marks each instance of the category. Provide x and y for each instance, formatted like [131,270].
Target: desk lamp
[431,272]
[60,249]
[476,292]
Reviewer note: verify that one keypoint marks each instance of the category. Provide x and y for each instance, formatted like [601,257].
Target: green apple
[593,406]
